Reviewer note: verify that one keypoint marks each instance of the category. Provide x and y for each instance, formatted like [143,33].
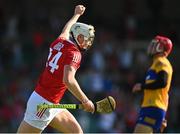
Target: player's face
[155,47]
[84,42]
[150,50]
[152,47]
[87,43]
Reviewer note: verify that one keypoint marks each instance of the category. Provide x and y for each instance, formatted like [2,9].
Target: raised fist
[79,9]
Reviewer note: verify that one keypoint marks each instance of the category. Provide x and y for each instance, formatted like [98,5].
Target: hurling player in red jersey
[59,75]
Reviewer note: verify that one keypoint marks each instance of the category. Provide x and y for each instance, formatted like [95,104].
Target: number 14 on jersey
[53,63]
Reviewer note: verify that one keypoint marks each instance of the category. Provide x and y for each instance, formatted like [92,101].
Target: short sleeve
[73,58]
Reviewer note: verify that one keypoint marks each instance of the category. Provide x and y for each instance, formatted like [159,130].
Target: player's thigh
[65,122]
[140,128]
[26,128]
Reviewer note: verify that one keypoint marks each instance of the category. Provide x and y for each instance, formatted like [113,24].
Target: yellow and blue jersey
[158,97]
[156,87]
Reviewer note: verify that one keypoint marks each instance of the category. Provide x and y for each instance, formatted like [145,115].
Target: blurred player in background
[156,87]
[59,74]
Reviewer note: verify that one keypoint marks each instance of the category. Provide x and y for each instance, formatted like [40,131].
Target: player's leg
[163,126]
[150,120]
[36,121]
[140,128]
[26,128]
[66,123]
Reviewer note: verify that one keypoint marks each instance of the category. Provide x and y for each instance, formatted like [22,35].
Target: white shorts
[39,119]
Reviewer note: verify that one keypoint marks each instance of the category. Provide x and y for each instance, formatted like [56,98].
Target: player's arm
[160,82]
[71,82]
[79,10]
[74,88]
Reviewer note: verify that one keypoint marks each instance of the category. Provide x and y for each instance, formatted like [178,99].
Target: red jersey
[50,84]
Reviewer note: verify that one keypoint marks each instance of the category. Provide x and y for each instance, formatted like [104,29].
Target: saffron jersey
[50,84]
[158,97]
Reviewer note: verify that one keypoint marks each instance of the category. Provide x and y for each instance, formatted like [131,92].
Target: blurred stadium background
[116,61]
